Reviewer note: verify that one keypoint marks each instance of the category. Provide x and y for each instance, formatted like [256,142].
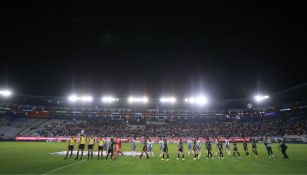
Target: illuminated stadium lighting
[137,99]
[5,93]
[86,99]
[200,100]
[75,98]
[261,98]
[109,99]
[168,100]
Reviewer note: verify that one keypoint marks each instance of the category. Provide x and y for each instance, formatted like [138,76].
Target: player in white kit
[189,141]
[150,148]
[227,145]
[161,146]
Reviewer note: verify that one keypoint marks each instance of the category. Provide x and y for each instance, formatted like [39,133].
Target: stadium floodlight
[170,100]
[5,93]
[84,99]
[200,100]
[261,98]
[137,99]
[109,99]
[73,98]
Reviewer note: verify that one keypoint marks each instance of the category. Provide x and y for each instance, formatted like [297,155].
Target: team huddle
[114,148]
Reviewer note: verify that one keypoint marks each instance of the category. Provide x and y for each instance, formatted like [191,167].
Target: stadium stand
[53,122]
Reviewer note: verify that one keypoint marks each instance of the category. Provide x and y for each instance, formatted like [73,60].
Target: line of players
[194,147]
[114,147]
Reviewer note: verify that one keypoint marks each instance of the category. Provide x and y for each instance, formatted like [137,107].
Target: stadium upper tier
[35,111]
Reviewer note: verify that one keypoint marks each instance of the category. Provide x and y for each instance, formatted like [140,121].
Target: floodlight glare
[260,98]
[75,98]
[137,99]
[86,99]
[200,100]
[168,100]
[109,99]
[5,93]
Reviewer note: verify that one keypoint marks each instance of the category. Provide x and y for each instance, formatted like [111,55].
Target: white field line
[63,167]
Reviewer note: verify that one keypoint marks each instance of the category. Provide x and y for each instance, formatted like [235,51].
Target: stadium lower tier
[109,126]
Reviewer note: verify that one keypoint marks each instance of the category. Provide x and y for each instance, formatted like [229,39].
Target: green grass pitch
[33,158]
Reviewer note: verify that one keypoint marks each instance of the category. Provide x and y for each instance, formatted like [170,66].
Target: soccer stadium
[149,135]
[131,87]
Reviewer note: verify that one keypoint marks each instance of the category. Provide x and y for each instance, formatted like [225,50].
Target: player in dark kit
[220,148]
[283,148]
[245,148]
[81,147]
[90,147]
[195,149]
[180,150]
[111,148]
[235,150]
[70,148]
[145,148]
[254,147]
[165,150]
[209,149]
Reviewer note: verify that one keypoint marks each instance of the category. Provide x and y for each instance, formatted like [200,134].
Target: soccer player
[209,149]
[235,150]
[268,146]
[283,148]
[190,147]
[105,145]
[111,148]
[245,148]
[161,147]
[90,147]
[118,147]
[71,145]
[254,147]
[145,147]
[180,149]
[217,147]
[150,148]
[81,147]
[100,143]
[220,148]
[195,152]
[165,150]
[227,145]
[198,148]
[133,146]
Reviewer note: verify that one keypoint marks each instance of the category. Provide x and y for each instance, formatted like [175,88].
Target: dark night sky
[226,49]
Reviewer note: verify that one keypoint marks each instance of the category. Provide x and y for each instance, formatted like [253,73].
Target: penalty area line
[63,167]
